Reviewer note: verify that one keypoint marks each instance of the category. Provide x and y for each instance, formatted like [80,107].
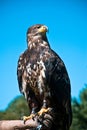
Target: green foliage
[16,109]
[79,109]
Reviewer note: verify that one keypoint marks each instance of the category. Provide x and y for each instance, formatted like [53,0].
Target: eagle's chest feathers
[36,76]
[35,71]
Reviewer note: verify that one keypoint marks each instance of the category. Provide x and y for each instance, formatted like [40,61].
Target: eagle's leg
[31,116]
[34,108]
[44,108]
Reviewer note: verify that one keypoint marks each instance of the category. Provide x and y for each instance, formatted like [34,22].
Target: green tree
[16,109]
[79,109]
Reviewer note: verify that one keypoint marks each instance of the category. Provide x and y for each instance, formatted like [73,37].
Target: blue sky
[67,22]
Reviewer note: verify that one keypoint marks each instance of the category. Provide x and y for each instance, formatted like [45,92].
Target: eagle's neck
[35,41]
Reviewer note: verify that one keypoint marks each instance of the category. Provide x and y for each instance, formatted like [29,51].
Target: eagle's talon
[25,118]
[43,111]
[33,117]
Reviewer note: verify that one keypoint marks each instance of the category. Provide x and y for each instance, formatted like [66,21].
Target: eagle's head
[36,32]
[38,29]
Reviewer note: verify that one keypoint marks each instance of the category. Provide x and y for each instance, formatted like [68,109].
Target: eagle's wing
[59,84]
[20,70]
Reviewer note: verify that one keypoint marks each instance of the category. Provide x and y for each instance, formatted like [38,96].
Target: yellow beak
[43,29]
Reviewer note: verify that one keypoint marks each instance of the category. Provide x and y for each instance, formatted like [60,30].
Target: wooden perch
[28,125]
[18,124]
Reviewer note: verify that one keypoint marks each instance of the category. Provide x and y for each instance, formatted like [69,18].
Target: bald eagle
[43,79]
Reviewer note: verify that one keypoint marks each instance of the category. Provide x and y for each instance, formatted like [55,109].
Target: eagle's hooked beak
[43,29]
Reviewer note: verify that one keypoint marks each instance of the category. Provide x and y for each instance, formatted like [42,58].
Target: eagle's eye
[38,27]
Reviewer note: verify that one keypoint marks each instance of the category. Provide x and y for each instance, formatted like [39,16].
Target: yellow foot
[43,110]
[25,118]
